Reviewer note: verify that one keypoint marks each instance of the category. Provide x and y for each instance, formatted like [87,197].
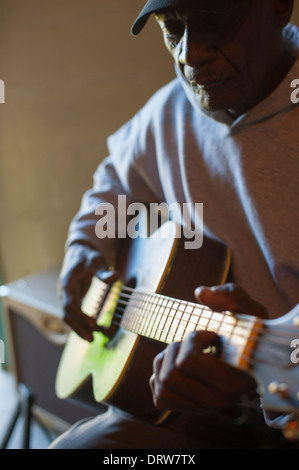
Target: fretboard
[167,319]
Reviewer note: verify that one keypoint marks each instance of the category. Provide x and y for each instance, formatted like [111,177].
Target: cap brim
[153,6]
[140,23]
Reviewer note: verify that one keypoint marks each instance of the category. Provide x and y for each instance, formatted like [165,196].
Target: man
[222,133]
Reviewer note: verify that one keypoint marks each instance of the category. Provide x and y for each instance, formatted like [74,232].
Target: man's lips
[205,84]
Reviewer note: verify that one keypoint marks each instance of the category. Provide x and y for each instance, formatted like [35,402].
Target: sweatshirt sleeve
[125,172]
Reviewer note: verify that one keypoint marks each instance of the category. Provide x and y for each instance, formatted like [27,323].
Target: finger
[174,399]
[164,363]
[164,397]
[192,395]
[198,356]
[208,369]
[80,329]
[84,325]
[107,275]
[96,266]
[173,389]
[229,297]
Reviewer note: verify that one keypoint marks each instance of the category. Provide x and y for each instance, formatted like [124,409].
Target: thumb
[96,264]
[230,297]
[107,275]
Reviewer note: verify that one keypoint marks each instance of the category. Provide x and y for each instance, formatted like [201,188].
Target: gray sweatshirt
[243,171]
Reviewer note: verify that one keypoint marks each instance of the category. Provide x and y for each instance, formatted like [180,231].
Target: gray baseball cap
[213,6]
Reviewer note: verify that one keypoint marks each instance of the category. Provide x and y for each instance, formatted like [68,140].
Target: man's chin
[210,106]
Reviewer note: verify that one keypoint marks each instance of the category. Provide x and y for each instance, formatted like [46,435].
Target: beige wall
[73,75]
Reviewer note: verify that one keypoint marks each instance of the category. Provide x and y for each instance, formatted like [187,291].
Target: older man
[222,133]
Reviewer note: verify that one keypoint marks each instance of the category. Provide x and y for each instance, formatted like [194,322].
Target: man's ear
[284,10]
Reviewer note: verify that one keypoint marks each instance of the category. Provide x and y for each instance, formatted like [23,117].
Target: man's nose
[195,51]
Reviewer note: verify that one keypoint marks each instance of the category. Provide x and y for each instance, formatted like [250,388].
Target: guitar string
[276,336]
[283,333]
[144,295]
[220,329]
[188,321]
[246,351]
[159,309]
[143,298]
[245,355]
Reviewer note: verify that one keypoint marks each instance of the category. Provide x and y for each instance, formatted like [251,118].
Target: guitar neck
[165,319]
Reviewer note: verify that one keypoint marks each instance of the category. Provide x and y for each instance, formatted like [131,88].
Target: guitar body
[119,368]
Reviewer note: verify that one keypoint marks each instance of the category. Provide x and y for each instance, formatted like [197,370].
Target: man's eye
[173,28]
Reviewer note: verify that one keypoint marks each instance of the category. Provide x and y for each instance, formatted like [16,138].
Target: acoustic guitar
[153,305]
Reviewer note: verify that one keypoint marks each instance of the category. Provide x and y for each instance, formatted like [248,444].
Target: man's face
[230,60]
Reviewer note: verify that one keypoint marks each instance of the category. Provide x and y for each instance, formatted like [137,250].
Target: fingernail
[201,290]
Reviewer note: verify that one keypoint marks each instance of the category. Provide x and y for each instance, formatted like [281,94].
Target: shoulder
[159,111]
[164,104]
[172,92]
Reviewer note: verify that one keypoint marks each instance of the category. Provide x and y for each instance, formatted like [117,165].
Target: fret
[230,328]
[169,311]
[171,330]
[163,319]
[141,307]
[152,313]
[132,313]
[214,322]
[166,326]
[157,319]
[228,325]
[185,322]
[146,308]
[148,322]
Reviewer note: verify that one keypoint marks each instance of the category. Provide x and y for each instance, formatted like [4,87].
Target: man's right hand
[80,264]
